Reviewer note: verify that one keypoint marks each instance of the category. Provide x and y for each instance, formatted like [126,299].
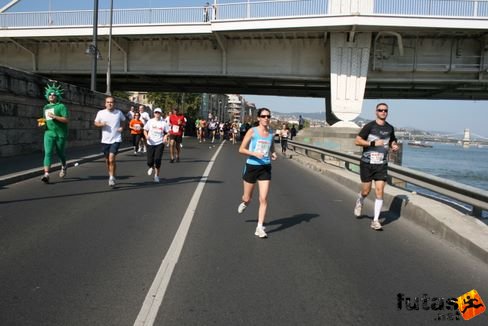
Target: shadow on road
[120,186]
[287,222]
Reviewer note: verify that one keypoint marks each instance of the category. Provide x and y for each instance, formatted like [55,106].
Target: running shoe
[149,171]
[111,181]
[156,179]
[171,161]
[358,208]
[62,173]
[45,178]
[241,208]
[260,232]
[376,225]
[177,160]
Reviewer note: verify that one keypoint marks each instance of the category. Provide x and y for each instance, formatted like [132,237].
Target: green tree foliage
[189,103]
[121,94]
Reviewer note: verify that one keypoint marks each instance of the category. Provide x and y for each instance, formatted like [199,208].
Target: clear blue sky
[435,115]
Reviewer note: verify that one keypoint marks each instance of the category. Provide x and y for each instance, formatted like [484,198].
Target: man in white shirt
[110,120]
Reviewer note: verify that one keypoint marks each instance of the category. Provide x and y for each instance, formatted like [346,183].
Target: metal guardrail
[241,10]
[477,198]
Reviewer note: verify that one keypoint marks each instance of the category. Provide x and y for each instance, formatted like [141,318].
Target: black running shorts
[370,172]
[253,173]
[176,138]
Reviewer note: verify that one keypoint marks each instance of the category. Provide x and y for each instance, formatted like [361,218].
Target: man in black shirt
[376,138]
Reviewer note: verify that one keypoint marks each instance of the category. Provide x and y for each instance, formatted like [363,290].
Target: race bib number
[137,127]
[175,128]
[263,147]
[47,115]
[376,158]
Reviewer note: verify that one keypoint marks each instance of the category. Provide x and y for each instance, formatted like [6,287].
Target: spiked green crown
[56,89]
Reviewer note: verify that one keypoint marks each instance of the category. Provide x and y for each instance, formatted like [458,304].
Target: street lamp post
[95,53]
[109,60]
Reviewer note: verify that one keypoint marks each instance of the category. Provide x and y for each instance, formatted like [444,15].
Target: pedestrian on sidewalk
[376,138]
[55,121]
[155,130]
[110,120]
[258,145]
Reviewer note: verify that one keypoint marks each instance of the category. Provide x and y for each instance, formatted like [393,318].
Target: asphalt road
[76,252]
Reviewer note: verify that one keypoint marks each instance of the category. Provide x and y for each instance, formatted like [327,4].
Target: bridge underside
[302,87]
[398,63]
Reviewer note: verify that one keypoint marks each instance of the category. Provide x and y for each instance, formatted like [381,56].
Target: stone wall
[21,103]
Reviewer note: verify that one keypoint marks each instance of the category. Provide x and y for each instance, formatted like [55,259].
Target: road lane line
[154,298]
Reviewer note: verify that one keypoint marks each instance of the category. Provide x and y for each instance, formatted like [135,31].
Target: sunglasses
[265,116]
[382,110]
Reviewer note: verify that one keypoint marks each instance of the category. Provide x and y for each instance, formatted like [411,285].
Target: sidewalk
[17,168]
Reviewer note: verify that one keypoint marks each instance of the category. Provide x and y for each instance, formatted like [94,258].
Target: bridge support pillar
[349,58]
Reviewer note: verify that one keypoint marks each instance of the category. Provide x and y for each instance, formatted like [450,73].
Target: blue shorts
[110,149]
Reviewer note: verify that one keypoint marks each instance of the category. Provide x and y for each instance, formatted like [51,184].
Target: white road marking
[154,298]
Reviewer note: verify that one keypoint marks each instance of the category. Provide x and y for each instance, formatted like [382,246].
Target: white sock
[378,204]
[260,225]
[361,198]
[46,174]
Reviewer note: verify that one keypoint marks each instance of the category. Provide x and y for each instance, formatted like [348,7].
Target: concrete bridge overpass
[343,51]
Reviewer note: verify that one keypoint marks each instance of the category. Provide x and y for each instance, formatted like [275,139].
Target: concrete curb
[37,172]
[464,231]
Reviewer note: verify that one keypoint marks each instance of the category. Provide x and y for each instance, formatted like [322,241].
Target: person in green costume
[55,121]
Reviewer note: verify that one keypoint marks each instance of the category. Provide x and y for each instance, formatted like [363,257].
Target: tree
[189,103]
[121,94]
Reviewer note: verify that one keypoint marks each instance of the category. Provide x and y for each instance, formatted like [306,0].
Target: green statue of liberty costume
[55,119]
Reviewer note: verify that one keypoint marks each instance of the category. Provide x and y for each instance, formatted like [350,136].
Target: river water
[449,161]
[453,162]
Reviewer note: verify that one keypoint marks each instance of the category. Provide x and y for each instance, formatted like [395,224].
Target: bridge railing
[448,8]
[474,197]
[241,10]
[271,9]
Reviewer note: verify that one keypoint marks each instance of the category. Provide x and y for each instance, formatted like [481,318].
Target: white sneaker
[376,225]
[62,173]
[111,181]
[156,179]
[149,171]
[45,178]
[358,208]
[260,232]
[241,208]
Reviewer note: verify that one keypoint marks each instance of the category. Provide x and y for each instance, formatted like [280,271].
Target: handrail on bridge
[244,10]
[477,198]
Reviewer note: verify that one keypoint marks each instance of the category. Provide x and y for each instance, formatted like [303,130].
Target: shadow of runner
[395,210]
[287,222]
